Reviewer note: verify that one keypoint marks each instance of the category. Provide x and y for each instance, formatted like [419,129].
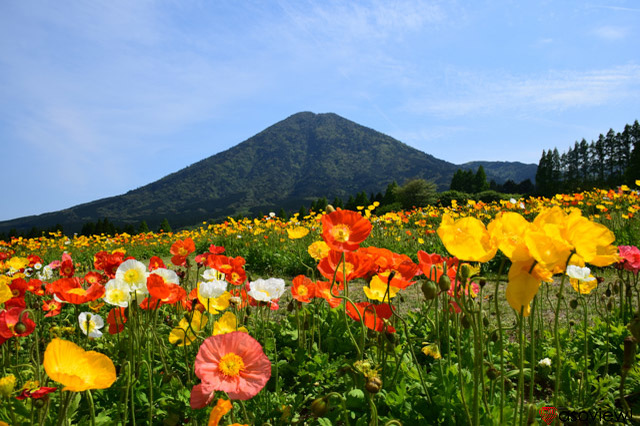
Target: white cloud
[560,90]
[610,33]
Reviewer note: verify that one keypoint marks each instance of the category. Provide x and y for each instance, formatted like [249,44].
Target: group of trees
[612,160]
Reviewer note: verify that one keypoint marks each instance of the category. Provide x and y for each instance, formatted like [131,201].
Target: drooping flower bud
[320,406]
[373,385]
[444,283]
[429,289]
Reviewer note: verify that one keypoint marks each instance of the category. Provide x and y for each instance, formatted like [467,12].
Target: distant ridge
[297,160]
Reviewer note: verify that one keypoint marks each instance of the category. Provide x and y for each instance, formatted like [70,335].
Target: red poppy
[70,290]
[35,391]
[181,250]
[93,277]
[356,265]
[432,265]
[116,320]
[162,292]
[67,269]
[33,259]
[51,307]
[231,267]
[344,230]
[323,289]
[303,289]
[12,317]
[156,263]
[374,316]
[108,262]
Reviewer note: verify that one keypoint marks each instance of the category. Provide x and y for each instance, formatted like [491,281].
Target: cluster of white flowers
[213,285]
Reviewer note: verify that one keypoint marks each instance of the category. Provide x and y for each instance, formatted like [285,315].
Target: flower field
[515,312]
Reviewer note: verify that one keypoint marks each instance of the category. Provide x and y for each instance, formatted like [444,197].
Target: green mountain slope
[501,171]
[302,158]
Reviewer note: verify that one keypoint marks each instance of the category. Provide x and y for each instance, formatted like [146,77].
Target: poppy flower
[163,292]
[379,290]
[233,363]
[297,232]
[467,239]
[67,269]
[70,290]
[184,333]
[51,307]
[181,250]
[267,290]
[94,277]
[318,250]
[78,370]
[90,324]
[222,407]
[630,258]
[155,263]
[323,289]
[108,262]
[227,323]
[372,315]
[134,273]
[433,265]
[231,267]
[116,320]
[509,230]
[523,285]
[9,318]
[33,390]
[303,289]
[344,230]
[355,265]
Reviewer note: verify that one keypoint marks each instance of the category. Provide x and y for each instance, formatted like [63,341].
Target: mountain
[502,171]
[297,160]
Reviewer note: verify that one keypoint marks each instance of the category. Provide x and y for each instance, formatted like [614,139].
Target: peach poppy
[233,363]
[78,370]
[344,230]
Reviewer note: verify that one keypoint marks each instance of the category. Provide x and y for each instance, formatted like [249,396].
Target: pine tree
[480,180]
[164,225]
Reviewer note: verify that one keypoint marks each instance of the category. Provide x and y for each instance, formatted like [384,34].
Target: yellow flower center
[231,364]
[117,295]
[303,290]
[341,232]
[132,276]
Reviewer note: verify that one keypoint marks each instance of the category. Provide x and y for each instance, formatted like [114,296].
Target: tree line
[611,160]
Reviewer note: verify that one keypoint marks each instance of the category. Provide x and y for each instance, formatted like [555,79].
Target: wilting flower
[297,232]
[90,324]
[227,323]
[78,370]
[32,389]
[467,239]
[233,363]
[432,350]
[344,230]
[266,290]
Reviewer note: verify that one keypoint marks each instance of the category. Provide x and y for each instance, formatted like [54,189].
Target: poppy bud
[600,280]
[494,336]
[485,320]
[573,304]
[465,271]
[39,402]
[492,373]
[330,208]
[429,289]
[482,282]
[20,327]
[608,292]
[373,385]
[609,305]
[629,354]
[444,283]
[615,288]
[320,406]
[533,413]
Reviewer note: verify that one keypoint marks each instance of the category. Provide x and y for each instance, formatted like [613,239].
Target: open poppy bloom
[344,230]
[303,289]
[78,370]
[323,289]
[70,290]
[162,292]
[467,239]
[181,250]
[355,265]
[233,363]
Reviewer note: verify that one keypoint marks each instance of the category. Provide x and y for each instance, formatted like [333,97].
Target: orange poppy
[355,265]
[323,289]
[373,316]
[344,230]
[303,289]
[181,250]
[70,290]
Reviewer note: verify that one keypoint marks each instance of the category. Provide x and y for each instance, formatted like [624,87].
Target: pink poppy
[630,258]
[233,363]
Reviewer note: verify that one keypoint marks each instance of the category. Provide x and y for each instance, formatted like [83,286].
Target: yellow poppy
[78,370]
[226,324]
[297,232]
[185,332]
[467,239]
[318,250]
[377,290]
[508,230]
[523,286]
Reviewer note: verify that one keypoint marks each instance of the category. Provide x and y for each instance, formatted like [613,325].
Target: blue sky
[100,97]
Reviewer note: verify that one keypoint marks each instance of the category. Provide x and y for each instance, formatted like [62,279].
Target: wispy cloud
[611,33]
[559,90]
